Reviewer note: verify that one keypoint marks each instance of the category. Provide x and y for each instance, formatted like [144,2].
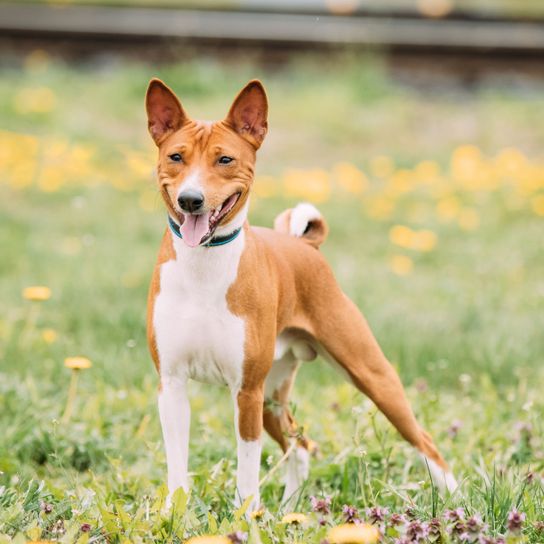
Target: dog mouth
[198,228]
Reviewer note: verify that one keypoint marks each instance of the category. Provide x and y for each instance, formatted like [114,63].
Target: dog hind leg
[282,427]
[348,341]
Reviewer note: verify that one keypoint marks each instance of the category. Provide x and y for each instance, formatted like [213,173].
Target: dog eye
[176,157]
[225,160]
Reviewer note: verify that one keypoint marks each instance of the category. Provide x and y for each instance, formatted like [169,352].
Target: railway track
[293,29]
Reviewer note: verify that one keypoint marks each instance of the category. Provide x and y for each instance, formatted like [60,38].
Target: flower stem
[72,391]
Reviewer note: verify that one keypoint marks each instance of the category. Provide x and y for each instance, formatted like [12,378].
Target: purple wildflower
[376,514]
[416,531]
[323,506]
[85,527]
[351,515]
[46,507]
[397,519]
[410,513]
[434,530]
[238,537]
[453,429]
[515,521]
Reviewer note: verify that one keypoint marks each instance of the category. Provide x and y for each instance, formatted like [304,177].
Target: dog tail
[303,221]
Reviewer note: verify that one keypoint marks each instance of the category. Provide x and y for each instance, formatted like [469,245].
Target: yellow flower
[401,235]
[354,534]
[257,514]
[294,517]
[36,61]
[35,100]
[382,166]
[401,265]
[208,539]
[379,207]
[427,171]
[424,240]
[468,219]
[313,185]
[465,163]
[265,186]
[49,335]
[538,204]
[447,208]
[37,292]
[77,363]
[349,177]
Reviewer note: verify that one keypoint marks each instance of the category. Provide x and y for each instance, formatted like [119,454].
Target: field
[435,199]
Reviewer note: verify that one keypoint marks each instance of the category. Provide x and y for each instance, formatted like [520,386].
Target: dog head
[205,170]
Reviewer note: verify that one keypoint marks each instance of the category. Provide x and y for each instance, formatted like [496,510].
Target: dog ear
[248,113]
[164,111]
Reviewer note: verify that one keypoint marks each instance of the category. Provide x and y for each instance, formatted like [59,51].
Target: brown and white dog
[243,306]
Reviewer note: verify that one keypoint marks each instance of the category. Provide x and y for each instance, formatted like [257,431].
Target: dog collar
[214,242]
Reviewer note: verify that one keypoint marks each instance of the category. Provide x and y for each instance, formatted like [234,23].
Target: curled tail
[303,221]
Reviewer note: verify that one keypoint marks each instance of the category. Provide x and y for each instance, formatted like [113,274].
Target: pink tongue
[194,228]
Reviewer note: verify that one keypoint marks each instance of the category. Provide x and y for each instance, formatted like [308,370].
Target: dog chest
[196,334]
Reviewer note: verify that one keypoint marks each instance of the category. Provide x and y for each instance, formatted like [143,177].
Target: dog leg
[282,427]
[248,410]
[175,417]
[348,341]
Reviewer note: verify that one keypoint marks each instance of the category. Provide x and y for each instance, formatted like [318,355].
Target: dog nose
[191,201]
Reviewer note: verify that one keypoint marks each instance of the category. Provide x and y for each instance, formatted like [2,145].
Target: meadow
[435,201]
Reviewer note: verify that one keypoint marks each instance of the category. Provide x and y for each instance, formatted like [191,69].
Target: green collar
[214,242]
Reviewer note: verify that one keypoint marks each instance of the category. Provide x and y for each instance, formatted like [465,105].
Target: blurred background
[416,126]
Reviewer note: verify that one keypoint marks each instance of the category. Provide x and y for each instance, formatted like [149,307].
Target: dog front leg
[248,409]
[175,416]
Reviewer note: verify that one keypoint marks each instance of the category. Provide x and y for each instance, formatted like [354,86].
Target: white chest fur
[196,334]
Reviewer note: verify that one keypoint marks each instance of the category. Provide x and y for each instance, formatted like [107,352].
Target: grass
[435,233]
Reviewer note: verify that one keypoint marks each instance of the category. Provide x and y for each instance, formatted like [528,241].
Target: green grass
[464,328]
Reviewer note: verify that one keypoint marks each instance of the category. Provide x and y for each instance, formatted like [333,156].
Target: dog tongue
[194,228]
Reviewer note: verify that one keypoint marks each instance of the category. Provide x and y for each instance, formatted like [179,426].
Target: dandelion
[37,293]
[294,518]
[49,335]
[401,265]
[35,100]
[350,178]
[537,204]
[257,514]
[75,364]
[515,521]
[382,166]
[353,534]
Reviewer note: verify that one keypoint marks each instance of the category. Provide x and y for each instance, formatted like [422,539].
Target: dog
[245,306]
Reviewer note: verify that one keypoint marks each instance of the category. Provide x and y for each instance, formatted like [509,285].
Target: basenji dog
[244,306]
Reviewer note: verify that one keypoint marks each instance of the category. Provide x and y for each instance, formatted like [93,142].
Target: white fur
[175,416]
[247,471]
[298,468]
[192,182]
[442,479]
[301,215]
[196,334]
